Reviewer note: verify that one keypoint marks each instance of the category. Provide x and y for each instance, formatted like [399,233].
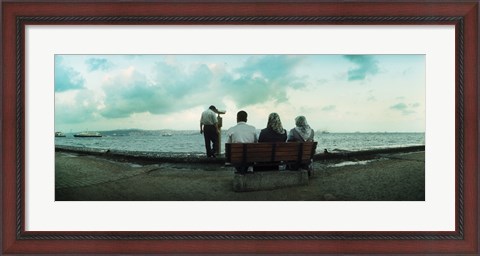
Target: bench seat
[265,153]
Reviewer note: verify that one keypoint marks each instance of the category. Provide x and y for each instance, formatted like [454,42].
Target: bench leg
[242,169]
[311,172]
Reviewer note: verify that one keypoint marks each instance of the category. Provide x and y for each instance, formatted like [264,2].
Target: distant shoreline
[121,132]
[196,157]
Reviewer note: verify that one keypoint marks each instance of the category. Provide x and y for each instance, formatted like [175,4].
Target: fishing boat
[60,134]
[87,134]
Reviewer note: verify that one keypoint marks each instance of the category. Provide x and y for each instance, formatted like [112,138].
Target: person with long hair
[274,131]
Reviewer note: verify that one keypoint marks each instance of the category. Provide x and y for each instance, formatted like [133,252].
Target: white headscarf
[303,128]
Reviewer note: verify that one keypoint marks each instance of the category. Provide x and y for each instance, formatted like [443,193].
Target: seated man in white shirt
[242,133]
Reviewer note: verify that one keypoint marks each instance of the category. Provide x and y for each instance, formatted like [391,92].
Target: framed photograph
[108,110]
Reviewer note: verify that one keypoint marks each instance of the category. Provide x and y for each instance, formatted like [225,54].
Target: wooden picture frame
[16,14]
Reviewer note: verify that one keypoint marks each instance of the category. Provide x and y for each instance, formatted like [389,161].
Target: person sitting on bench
[273,133]
[242,133]
[301,133]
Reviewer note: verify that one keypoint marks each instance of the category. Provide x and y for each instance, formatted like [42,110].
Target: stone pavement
[92,171]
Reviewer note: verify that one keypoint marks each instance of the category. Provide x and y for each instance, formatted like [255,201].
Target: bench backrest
[266,152]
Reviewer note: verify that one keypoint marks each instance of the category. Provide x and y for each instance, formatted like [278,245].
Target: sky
[336,93]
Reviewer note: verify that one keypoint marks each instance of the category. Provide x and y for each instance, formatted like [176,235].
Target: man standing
[209,128]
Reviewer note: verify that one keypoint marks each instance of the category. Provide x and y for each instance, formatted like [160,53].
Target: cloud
[322,81]
[131,92]
[371,97]
[82,108]
[403,108]
[329,108]
[94,64]
[179,82]
[408,71]
[66,78]
[177,86]
[262,79]
[365,65]
[399,106]
[169,90]
[174,87]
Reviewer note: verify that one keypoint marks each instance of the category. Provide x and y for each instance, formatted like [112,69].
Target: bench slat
[270,152]
[266,154]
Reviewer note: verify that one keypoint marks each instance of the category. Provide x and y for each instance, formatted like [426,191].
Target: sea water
[193,141]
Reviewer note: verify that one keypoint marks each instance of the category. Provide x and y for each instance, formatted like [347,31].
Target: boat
[87,134]
[167,134]
[60,134]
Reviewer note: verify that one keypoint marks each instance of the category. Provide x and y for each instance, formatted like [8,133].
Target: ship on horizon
[60,134]
[87,135]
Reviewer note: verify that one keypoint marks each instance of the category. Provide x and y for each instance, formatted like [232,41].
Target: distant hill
[132,132]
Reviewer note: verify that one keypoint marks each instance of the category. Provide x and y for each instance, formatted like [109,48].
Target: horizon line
[316,131]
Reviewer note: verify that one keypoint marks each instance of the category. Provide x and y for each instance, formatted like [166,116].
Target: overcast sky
[336,93]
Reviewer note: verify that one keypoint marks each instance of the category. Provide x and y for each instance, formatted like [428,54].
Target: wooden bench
[293,154]
[268,154]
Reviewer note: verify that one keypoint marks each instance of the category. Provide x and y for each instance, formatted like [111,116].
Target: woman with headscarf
[274,131]
[302,131]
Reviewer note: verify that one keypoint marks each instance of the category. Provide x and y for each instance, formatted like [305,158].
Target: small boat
[87,134]
[167,134]
[60,134]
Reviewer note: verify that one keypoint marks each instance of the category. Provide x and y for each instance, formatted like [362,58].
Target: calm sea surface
[192,141]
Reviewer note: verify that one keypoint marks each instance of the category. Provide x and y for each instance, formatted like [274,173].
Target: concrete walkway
[387,177]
